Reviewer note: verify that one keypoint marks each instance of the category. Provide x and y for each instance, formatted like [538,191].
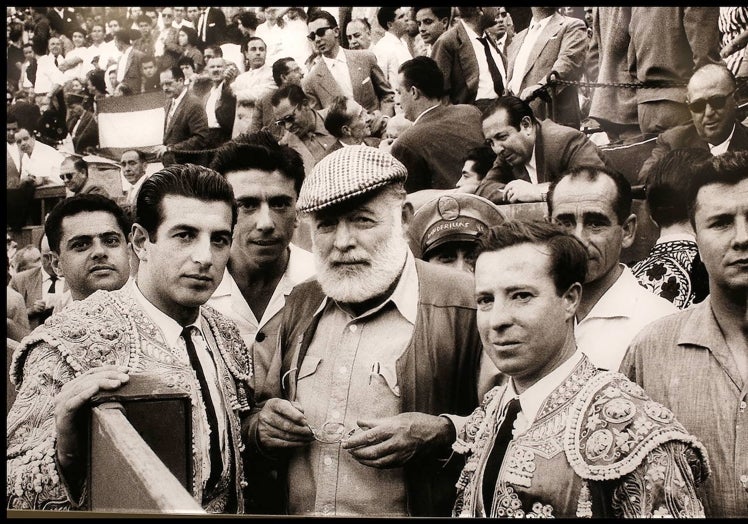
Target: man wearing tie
[133,174]
[553,42]
[561,438]
[473,68]
[211,27]
[155,324]
[186,124]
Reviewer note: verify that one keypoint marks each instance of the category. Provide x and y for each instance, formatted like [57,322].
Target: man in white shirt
[595,206]
[48,74]
[271,32]
[474,69]
[258,79]
[264,265]
[133,174]
[39,162]
[432,22]
[220,104]
[180,20]
[392,50]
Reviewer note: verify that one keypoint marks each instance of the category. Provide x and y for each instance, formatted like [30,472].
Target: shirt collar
[724,145]
[540,24]
[424,112]
[178,99]
[532,163]
[674,237]
[340,57]
[616,301]
[169,327]
[532,398]
[471,34]
[405,296]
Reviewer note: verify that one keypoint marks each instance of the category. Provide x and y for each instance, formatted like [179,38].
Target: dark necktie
[498,84]
[493,465]
[216,463]
[53,280]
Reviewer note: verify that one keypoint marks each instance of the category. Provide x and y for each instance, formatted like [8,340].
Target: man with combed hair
[155,324]
[339,71]
[434,148]
[532,153]
[371,353]
[562,438]
[696,362]
[715,124]
[432,23]
[358,32]
[392,50]
[347,121]
[594,205]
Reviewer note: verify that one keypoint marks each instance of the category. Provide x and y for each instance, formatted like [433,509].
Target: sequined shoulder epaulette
[613,425]
[475,424]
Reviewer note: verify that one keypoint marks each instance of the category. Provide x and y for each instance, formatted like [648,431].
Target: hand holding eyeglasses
[282,424]
[391,442]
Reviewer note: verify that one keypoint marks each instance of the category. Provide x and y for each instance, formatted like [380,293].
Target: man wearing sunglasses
[74,174]
[714,113]
[345,72]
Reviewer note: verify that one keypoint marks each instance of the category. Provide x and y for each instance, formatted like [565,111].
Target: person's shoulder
[444,286]
[613,426]
[553,130]
[661,334]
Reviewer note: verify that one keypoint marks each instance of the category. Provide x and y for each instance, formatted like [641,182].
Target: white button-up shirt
[485,82]
[338,67]
[520,62]
[721,149]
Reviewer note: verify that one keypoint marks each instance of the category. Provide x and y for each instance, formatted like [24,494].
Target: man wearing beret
[376,357]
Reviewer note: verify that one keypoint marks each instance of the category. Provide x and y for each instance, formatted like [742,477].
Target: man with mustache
[370,354]
[88,242]
[562,438]
[696,362]
[184,219]
[594,205]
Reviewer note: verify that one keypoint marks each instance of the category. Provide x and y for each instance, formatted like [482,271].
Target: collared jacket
[437,372]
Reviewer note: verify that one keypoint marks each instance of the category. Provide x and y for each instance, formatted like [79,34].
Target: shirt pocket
[386,373]
[308,367]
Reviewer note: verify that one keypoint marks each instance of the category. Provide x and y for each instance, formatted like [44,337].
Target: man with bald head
[714,114]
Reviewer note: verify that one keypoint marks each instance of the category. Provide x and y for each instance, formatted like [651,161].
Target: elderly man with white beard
[377,358]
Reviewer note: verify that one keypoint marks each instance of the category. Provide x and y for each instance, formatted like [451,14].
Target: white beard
[356,284]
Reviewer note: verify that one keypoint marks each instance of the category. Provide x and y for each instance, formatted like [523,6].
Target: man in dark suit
[434,148]
[40,287]
[220,103]
[211,27]
[62,20]
[462,54]
[553,42]
[714,115]
[186,124]
[81,124]
[129,70]
[531,153]
[339,71]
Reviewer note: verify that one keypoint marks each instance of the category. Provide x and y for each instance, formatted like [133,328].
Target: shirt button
[328,461]
[260,336]
[742,405]
[343,370]
[353,328]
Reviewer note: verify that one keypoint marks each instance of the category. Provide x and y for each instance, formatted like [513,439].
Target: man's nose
[264,218]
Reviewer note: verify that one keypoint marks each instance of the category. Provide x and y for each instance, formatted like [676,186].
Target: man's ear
[54,261]
[139,238]
[571,299]
[525,123]
[629,231]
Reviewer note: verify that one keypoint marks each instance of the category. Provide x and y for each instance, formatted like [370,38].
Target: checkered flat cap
[348,173]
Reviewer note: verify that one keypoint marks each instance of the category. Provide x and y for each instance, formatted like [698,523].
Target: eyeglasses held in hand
[715,102]
[319,32]
[332,432]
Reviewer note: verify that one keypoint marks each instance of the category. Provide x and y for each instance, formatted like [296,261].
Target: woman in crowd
[187,39]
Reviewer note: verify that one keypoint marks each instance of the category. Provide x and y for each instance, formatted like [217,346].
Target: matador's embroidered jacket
[599,447]
[111,328]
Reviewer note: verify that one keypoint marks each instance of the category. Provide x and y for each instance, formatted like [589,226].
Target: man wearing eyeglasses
[74,174]
[305,127]
[714,114]
[339,71]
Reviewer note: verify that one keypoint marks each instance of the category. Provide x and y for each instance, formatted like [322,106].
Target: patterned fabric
[672,271]
[111,328]
[732,22]
[598,447]
[348,173]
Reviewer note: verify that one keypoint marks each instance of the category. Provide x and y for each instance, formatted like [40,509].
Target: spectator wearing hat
[421,147]
[370,354]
